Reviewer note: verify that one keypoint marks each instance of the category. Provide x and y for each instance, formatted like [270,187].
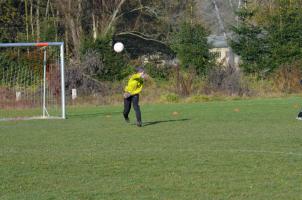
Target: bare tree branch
[114,15]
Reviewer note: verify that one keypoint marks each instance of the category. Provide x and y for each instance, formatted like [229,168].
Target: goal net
[32,81]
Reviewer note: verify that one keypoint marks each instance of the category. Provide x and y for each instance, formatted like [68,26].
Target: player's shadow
[163,121]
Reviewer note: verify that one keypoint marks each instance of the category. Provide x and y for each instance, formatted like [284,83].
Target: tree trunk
[114,15]
[55,16]
[66,42]
[47,9]
[32,20]
[56,24]
[74,27]
[78,21]
[74,36]
[221,25]
[38,20]
[94,26]
[26,20]
[231,5]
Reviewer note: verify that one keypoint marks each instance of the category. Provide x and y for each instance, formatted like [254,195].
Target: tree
[284,31]
[250,42]
[110,65]
[11,22]
[269,37]
[191,46]
[72,12]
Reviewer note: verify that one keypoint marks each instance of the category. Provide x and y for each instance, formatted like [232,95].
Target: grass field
[249,149]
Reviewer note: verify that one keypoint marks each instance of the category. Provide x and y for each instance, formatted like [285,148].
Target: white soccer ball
[118,47]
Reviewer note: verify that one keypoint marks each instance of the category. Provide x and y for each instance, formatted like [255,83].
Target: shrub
[287,78]
[259,86]
[198,98]
[159,72]
[110,66]
[80,78]
[170,98]
[227,80]
[183,80]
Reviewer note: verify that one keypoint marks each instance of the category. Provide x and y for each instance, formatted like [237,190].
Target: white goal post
[32,84]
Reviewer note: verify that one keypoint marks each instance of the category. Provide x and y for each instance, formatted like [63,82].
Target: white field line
[149,150]
[28,118]
[255,151]
[247,151]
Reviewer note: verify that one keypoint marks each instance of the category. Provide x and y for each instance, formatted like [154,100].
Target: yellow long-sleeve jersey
[135,84]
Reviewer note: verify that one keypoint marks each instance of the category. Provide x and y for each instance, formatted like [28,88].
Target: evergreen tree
[272,41]
[284,29]
[250,43]
[191,46]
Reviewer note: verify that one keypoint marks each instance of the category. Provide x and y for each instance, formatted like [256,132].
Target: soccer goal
[32,81]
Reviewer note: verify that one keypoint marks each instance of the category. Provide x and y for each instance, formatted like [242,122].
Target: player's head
[140,70]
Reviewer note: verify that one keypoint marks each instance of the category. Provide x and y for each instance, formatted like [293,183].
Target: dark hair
[140,69]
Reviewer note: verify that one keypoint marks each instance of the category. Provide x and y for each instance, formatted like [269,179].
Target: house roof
[217,41]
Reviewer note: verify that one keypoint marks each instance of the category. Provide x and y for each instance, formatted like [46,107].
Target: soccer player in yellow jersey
[131,95]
